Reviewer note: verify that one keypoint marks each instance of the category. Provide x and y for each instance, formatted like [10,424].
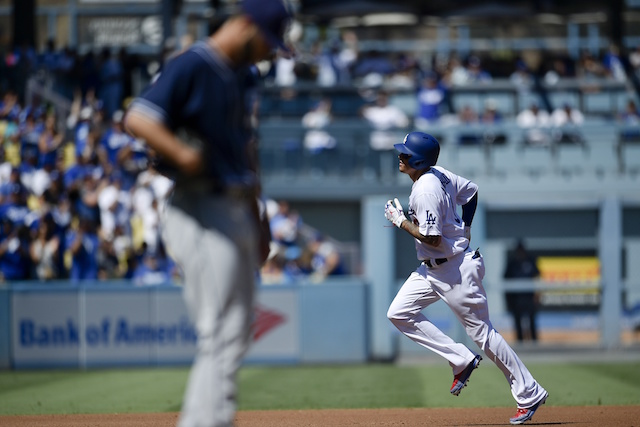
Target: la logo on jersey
[431,219]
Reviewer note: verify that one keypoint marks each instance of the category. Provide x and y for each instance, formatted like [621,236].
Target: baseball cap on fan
[272,17]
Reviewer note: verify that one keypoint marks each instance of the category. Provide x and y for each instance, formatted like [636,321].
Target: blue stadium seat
[602,160]
[596,132]
[268,105]
[352,146]
[473,100]
[280,146]
[407,102]
[322,163]
[559,98]
[525,99]
[447,158]
[296,106]
[346,105]
[571,159]
[505,159]
[598,103]
[537,161]
[630,154]
[472,161]
[629,133]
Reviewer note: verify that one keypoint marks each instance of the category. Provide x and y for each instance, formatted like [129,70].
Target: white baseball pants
[213,239]
[458,282]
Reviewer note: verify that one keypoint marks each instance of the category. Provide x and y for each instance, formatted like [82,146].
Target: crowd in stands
[77,203]
[380,76]
[336,61]
[298,252]
[83,203]
[79,199]
[107,72]
[339,61]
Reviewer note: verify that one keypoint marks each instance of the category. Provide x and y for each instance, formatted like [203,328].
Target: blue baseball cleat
[525,414]
[460,380]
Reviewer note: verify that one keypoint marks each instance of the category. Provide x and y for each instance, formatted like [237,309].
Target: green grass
[377,386]
[92,391]
[312,387]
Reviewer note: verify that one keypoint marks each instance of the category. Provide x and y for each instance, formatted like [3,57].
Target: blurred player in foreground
[450,271]
[195,118]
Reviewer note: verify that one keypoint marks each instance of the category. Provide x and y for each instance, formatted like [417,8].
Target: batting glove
[394,213]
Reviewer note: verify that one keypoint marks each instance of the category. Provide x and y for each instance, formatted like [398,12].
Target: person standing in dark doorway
[522,304]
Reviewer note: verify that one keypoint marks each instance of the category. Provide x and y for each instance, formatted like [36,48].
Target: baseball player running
[195,118]
[450,271]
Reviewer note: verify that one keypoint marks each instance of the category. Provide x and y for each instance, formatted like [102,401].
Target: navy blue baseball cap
[272,17]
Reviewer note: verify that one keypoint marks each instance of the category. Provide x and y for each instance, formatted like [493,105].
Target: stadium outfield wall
[101,324]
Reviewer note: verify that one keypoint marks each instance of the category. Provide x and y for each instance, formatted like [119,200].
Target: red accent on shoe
[460,380]
[522,415]
[520,412]
[525,414]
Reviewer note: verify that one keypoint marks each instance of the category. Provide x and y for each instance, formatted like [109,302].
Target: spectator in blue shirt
[14,204]
[50,141]
[132,160]
[9,106]
[83,243]
[30,130]
[111,86]
[630,119]
[11,186]
[74,175]
[285,225]
[48,59]
[151,271]
[65,68]
[326,260]
[14,251]
[476,73]
[82,132]
[431,96]
[373,62]
[112,142]
[491,114]
[613,64]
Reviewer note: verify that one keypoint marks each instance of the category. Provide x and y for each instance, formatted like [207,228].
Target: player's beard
[252,52]
[247,52]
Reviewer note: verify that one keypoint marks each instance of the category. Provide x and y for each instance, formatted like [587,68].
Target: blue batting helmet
[423,149]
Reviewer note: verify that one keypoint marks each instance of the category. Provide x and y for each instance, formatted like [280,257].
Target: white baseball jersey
[432,207]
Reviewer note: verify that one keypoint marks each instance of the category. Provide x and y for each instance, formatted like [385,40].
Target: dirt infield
[591,416]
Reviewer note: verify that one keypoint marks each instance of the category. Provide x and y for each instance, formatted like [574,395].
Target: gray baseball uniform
[195,116]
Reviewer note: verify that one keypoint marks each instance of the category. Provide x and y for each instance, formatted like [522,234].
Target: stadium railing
[601,152]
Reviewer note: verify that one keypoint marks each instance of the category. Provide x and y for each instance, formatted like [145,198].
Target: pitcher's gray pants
[213,239]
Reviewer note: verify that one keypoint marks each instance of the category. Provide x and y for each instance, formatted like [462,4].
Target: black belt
[438,261]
